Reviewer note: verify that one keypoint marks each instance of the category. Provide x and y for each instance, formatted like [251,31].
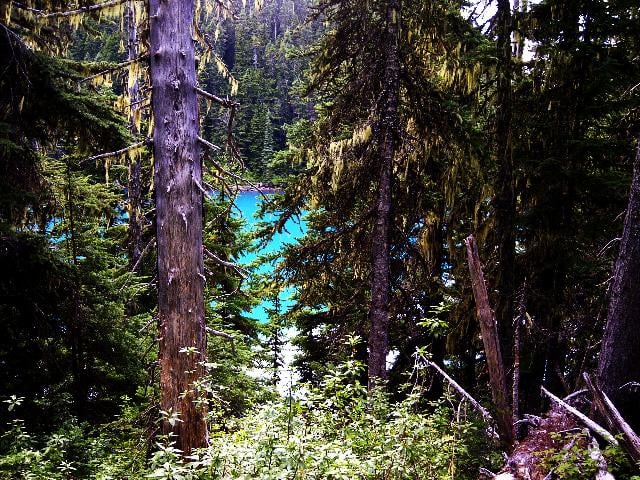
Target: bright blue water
[249,203]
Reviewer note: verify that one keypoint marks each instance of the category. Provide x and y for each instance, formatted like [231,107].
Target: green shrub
[339,431]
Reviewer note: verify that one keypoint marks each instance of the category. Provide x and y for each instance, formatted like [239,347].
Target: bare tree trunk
[489,331]
[178,174]
[380,281]
[620,354]
[134,187]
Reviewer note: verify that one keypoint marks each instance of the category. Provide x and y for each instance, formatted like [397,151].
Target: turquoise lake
[248,204]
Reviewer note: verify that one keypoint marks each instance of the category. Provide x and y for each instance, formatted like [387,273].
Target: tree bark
[380,282]
[620,354]
[489,331]
[505,205]
[178,173]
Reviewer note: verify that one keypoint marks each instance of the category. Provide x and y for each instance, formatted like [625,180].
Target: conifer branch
[117,152]
[235,267]
[114,68]
[68,13]
[218,333]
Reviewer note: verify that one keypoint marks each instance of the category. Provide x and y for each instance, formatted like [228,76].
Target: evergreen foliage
[521,130]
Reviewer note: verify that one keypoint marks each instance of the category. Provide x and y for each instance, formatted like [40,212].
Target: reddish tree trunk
[178,174]
[490,339]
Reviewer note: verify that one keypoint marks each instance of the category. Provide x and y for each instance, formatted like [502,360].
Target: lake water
[248,204]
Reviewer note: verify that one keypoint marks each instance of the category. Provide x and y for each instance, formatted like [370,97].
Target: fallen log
[593,426]
[615,421]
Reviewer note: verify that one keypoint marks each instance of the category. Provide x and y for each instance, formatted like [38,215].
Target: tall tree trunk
[135,171]
[178,175]
[505,197]
[380,283]
[620,355]
[79,389]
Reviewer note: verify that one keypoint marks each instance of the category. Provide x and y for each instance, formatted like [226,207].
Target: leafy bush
[339,431]
[114,451]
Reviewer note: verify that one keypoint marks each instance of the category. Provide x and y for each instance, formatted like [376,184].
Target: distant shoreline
[260,187]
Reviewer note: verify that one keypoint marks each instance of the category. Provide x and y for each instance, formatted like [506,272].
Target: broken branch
[225,102]
[474,403]
[615,421]
[582,417]
[116,153]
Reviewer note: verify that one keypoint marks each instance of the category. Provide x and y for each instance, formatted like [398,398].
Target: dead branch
[213,147]
[515,385]
[218,333]
[630,386]
[225,335]
[109,70]
[219,167]
[68,13]
[225,102]
[486,473]
[615,421]
[582,417]
[143,253]
[116,153]
[573,395]
[151,320]
[237,268]
[596,455]
[474,403]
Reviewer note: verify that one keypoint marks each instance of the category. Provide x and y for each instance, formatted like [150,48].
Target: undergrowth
[336,431]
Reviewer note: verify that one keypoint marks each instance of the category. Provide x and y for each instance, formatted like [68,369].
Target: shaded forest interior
[466,293]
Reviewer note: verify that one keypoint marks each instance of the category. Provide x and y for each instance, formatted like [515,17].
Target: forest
[441,280]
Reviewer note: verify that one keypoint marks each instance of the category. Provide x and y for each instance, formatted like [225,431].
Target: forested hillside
[462,299]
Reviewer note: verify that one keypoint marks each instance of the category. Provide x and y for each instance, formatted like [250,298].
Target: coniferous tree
[368,199]
[178,195]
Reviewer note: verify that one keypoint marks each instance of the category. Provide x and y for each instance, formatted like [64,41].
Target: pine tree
[372,158]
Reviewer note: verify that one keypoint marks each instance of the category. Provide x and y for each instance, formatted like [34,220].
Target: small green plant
[569,458]
[436,323]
